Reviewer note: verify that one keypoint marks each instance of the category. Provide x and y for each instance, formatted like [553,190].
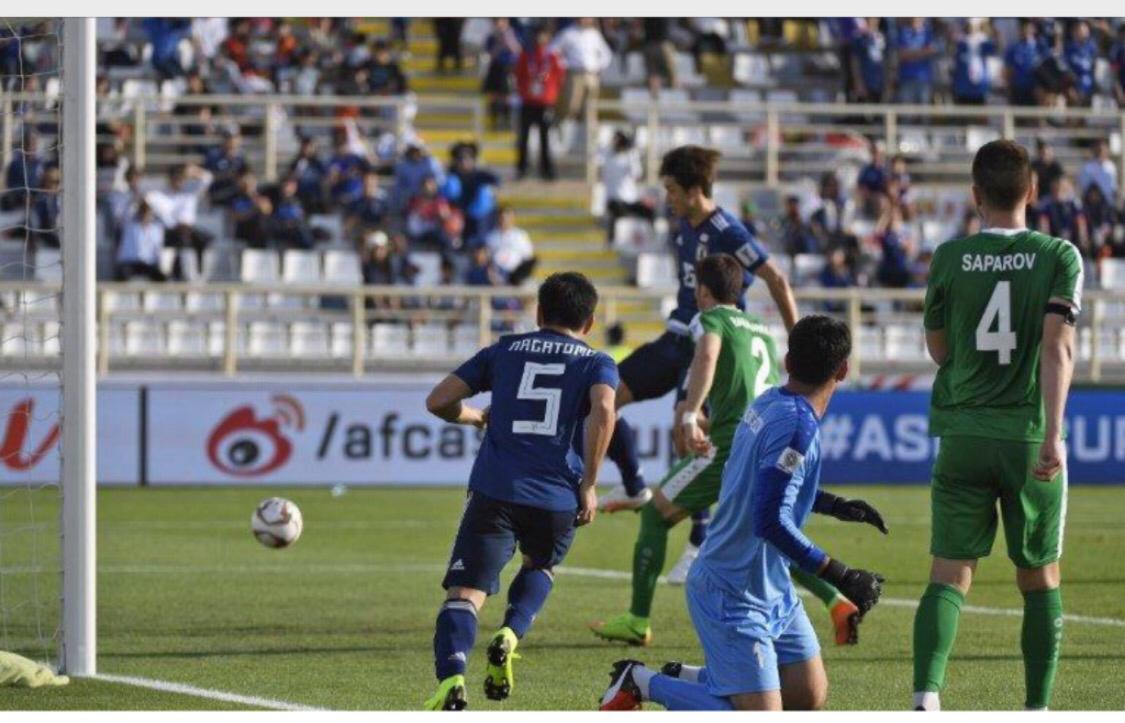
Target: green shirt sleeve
[1067,283]
[933,313]
[705,323]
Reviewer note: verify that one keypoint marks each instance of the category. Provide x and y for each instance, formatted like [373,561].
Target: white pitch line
[221,695]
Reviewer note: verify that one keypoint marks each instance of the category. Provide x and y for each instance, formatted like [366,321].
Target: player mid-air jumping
[528,487]
[1000,311]
[658,367]
[760,649]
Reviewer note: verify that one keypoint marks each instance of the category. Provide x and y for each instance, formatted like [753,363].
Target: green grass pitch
[344,619]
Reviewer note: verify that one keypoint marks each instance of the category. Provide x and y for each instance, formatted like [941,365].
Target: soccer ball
[276,522]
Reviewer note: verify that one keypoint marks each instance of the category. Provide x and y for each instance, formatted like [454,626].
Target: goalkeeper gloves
[850,511]
[860,586]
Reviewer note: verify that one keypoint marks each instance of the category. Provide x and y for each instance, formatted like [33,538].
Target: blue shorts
[487,538]
[658,367]
[741,654]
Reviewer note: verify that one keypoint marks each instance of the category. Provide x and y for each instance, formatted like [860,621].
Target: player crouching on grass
[527,486]
[760,649]
[734,361]
[1000,312]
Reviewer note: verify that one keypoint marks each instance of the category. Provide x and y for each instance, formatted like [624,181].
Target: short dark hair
[691,167]
[1002,172]
[615,334]
[721,274]
[818,345]
[567,299]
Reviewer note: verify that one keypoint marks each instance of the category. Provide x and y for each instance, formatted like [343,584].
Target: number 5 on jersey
[547,426]
[999,309]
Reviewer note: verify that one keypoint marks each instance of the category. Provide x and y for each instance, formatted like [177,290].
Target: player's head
[567,300]
[615,334]
[1002,177]
[819,347]
[718,280]
[688,173]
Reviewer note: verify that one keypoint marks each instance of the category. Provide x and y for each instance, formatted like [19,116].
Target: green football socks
[1042,635]
[648,559]
[935,629]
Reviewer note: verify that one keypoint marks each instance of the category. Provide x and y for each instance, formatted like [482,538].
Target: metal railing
[488,311]
[780,129]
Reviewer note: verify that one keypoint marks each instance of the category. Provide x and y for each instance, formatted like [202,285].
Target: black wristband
[825,503]
[834,571]
[1066,311]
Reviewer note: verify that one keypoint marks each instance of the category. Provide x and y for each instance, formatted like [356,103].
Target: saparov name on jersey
[997,262]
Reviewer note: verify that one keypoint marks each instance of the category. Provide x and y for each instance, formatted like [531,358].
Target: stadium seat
[904,342]
[466,340]
[389,341]
[673,104]
[259,266]
[298,268]
[14,340]
[341,268]
[635,103]
[308,339]
[689,135]
[266,339]
[216,338]
[220,262]
[1112,273]
[871,343]
[15,265]
[144,338]
[211,223]
[342,338]
[429,268]
[750,69]
[807,267]
[729,139]
[161,301]
[196,301]
[686,74]
[331,223]
[726,196]
[430,340]
[656,271]
[187,338]
[52,338]
[48,265]
[117,301]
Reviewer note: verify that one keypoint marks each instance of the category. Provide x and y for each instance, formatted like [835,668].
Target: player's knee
[1033,579]
[530,563]
[955,573]
[468,594]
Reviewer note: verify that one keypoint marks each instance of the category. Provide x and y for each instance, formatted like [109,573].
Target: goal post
[78,517]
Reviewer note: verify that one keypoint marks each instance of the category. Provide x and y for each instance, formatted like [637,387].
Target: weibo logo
[245,446]
[12,444]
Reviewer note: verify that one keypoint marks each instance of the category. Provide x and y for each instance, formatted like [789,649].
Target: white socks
[927,700]
[643,676]
[690,673]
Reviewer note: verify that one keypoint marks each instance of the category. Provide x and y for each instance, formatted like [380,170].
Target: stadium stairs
[556,215]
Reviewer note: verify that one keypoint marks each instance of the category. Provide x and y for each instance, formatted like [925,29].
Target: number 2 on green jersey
[999,311]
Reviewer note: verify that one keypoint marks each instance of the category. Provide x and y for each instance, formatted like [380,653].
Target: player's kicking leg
[692,484]
[545,537]
[486,540]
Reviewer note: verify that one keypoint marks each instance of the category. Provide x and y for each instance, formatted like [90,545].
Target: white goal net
[42,367]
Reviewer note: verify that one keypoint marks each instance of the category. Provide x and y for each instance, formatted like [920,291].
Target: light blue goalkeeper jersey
[768,490]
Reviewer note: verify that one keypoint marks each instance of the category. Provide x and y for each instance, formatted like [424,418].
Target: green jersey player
[1000,312]
[735,360]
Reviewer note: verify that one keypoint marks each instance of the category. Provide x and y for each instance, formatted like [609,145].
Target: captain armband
[1066,311]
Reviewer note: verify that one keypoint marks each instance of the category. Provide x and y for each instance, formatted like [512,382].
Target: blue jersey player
[760,651]
[654,369]
[528,486]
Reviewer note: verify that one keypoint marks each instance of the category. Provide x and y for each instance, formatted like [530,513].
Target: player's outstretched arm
[446,401]
[599,430]
[1056,367]
[848,510]
[780,291]
[701,376]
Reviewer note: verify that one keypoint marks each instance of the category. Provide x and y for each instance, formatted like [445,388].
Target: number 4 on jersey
[1003,340]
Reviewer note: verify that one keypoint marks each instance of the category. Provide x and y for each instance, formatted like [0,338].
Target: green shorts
[693,482]
[971,475]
